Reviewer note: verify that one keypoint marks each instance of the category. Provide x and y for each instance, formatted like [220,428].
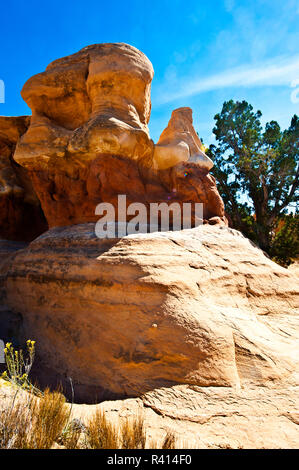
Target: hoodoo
[198,324]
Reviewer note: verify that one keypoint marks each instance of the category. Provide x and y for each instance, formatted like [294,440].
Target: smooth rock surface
[94,101]
[203,307]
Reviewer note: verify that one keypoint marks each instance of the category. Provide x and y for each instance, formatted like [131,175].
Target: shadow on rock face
[22,218]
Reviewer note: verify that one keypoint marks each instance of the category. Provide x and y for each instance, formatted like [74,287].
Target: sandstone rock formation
[202,307]
[20,212]
[94,101]
[198,324]
[180,143]
[88,139]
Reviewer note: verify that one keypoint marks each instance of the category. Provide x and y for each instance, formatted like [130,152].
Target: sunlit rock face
[202,307]
[95,101]
[88,139]
[21,217]
[180,143]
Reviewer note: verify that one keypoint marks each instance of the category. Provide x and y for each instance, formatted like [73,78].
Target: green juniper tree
[258,177]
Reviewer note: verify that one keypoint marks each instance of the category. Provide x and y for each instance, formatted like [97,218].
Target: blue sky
[203,52]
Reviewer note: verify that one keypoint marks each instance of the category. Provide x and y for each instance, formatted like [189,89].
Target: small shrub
[14,427]
[18,367]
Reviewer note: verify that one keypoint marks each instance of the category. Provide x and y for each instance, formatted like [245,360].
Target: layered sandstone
[20,211]
[88,139]
[122,317]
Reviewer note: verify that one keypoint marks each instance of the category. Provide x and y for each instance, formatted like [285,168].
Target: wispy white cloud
[278,72]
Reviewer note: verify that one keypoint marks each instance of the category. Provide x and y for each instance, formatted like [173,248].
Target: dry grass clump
[49,419]
[35,424]
[132,434]
[100,434]
[41,420]
[70,437]
[169,441]
[36,419]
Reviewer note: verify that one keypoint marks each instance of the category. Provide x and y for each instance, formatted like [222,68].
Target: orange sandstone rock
[88,140]
[121,317]
[180,143]
[94,101]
